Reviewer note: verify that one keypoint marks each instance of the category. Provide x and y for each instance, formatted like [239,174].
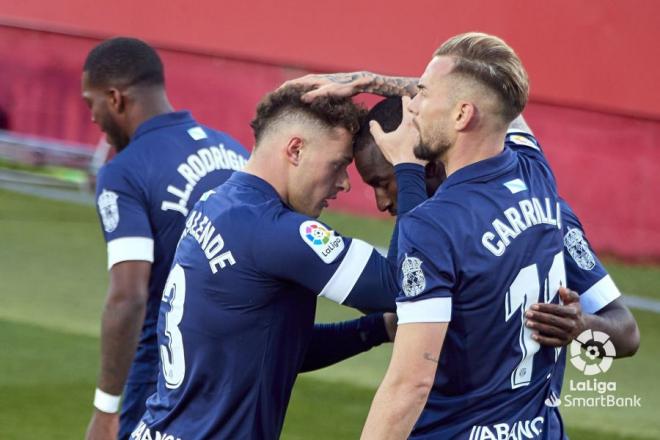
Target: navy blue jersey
[584,272]
[586,275]
[477,254]
[237,313]
[143,196]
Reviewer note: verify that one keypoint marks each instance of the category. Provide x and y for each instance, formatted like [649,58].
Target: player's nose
[344,183]
[383,202]
[413,106]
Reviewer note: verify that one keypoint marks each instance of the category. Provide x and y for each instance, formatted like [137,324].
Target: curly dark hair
[330,111]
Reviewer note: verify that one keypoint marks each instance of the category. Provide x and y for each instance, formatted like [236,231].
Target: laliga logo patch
[592,352]
[522,140]
[577,246]
[323,241]
[413,282]
[107,203]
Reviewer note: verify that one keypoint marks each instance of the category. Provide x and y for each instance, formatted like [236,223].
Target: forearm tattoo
[392,85]
[377,84]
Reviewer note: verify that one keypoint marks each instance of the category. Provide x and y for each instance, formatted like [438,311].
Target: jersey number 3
[171,355]
[523,292]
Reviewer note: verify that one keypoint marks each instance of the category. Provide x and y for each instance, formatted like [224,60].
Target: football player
[473,258]
[166,160]
[236,319]
[597,303]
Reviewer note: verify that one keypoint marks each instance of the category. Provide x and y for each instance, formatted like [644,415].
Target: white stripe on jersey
[343,280]
[130,249]
[599,295]
[425,310]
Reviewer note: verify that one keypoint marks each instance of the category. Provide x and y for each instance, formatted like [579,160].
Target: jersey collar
[242,178]
[483,170]
[164,120]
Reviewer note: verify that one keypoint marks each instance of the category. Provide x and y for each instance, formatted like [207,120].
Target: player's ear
[116,100]
[294,149]
[466,113]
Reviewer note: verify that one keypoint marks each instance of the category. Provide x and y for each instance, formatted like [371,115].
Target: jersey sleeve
[427,272]
[124,218]
[335,342]
[411,191]
[309,253]
[584,272]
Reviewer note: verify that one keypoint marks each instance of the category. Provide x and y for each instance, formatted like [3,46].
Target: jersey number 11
[524,291]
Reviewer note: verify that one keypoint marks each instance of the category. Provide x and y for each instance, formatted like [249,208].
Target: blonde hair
[491,62]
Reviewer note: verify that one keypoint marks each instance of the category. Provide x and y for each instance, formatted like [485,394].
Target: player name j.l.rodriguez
[196,166]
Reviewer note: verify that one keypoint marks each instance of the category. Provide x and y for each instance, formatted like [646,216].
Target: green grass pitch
[52,261]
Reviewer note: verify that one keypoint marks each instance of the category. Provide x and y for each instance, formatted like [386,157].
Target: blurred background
[594,67]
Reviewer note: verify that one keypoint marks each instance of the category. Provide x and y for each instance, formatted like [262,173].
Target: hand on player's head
[340,85]
[311,142]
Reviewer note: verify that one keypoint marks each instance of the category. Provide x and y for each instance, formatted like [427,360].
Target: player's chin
[318,209]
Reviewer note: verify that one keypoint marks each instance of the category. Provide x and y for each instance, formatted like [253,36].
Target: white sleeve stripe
[130,249]
[426,310]
[343,280]
[599,295]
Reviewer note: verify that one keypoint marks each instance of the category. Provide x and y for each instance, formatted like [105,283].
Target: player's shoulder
[288,222]
[120,170]
[450,201]
[568,215]
[522,139]
[221,137]
[442,212]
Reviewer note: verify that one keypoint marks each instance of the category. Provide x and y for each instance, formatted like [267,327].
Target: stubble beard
[425,151]
[115,136]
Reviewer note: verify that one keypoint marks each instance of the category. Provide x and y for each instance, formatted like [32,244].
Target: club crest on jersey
[109,210]
[323,241]
[578,247]
[414,281]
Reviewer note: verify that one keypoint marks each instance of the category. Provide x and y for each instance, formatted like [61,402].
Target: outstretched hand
[397,146]
[556,325]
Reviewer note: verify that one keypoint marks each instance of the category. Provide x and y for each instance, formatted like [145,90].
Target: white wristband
[106,402]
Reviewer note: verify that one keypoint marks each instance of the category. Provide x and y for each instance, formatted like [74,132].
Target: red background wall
[593,66]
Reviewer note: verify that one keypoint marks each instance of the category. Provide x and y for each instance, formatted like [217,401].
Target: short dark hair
[330,111]
[124,62]
[387,112]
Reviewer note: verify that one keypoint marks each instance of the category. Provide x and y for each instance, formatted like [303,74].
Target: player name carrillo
[517,219]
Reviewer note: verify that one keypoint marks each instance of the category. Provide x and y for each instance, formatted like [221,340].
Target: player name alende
[202,230]
[196,166]
[516,219]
